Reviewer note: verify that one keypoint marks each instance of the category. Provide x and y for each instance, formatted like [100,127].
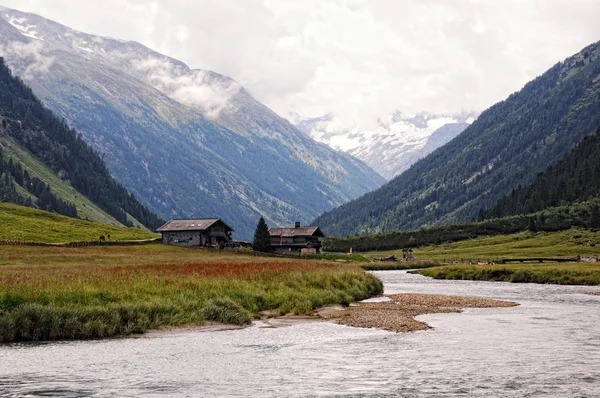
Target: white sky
[360,59]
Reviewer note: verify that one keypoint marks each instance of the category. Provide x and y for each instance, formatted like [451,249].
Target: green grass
[554,273]
[572,242]
[62,190]
[569,243]
[95,292]
[32,225]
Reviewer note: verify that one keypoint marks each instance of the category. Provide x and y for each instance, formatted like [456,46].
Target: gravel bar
[398,314]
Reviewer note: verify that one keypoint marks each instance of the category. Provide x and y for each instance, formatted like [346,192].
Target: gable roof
[292,231]
[192,224]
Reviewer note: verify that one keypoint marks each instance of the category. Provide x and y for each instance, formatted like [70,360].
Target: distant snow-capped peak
[398,141]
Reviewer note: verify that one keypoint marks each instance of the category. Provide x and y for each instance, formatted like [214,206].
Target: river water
[548,346]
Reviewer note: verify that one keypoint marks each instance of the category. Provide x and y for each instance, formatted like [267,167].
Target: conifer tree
[532,227]
[595,217]
[262,239]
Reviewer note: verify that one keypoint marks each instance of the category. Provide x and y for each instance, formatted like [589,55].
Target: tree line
[45,198]
[575,178]
[585,214]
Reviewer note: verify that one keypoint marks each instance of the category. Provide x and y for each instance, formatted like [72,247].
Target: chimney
[297,224]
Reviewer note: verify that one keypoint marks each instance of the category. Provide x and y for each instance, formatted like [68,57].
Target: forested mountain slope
[34,132]
[506,146]
[188,143]
[575,178]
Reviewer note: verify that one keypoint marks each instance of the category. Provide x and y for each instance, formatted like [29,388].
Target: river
[547,346]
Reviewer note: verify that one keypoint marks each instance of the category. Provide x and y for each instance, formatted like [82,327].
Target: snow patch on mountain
[398,142]
[26,30]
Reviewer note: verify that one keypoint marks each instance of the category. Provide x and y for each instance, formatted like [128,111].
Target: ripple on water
[549,346]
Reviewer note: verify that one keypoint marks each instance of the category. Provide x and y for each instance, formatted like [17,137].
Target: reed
[75,296]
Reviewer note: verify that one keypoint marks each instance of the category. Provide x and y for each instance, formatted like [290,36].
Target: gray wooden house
[203,232]
[296,239]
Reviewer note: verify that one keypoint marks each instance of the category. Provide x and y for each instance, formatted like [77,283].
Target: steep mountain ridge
[187,142]
[46,164]
[506,146]
[575,178]
[397,142]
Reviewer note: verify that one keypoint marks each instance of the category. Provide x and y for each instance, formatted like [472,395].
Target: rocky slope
[186,142]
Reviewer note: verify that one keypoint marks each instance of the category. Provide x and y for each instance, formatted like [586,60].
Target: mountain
[188,143]
[396,143]
[44,163]
[575,178]
[506,146]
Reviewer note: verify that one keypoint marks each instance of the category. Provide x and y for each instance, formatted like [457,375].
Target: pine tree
[532,227]
[262,239]
[595,217]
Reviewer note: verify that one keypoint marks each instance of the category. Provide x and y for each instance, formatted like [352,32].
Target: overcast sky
[359,59]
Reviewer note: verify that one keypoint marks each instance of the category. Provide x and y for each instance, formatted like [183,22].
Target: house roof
[192,224]
[299,231]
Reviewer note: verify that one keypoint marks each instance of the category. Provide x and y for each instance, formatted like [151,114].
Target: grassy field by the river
[49,293]
[570,243]
[554,273]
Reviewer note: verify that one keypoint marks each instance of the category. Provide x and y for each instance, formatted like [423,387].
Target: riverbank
[51,293]
[554,273]
[394,313]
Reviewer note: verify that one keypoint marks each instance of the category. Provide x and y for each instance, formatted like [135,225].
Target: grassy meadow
[50,293]
[569,243]
[554,273]
[32,225]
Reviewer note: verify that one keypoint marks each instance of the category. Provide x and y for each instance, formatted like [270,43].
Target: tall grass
[562,274]
[52,302]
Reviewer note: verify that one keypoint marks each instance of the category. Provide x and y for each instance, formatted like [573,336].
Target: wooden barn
[296,239]
[202,232]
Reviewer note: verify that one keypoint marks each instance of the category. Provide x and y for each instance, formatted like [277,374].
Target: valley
[165,231]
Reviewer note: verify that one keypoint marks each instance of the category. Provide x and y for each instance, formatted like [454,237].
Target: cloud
[26,58]
[360,59]
[197,89]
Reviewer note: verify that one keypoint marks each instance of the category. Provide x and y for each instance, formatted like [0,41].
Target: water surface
[548,346]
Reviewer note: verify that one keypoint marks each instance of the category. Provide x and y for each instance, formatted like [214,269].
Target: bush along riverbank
[98,301]
[561,274]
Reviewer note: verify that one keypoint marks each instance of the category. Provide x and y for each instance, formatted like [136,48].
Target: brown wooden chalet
[204,232]
[296,239]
